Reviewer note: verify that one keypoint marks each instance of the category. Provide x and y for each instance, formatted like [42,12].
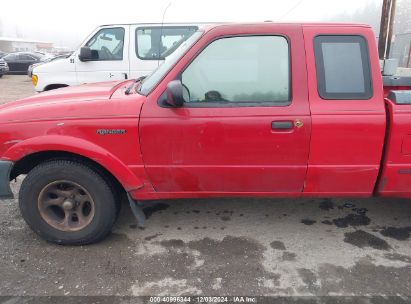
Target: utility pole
[386,28]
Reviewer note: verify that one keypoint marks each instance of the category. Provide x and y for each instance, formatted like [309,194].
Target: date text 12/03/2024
[203,299]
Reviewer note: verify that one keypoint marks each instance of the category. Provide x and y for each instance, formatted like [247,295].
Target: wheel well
[54,86]
[27,163]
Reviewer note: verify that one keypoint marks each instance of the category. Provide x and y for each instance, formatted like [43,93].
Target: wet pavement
[224,246]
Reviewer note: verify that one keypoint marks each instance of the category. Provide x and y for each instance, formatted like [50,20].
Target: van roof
[165,23]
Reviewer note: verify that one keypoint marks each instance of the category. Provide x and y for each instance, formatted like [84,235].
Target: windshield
[151,81]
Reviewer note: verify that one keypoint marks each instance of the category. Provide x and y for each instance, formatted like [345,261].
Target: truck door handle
[282,125]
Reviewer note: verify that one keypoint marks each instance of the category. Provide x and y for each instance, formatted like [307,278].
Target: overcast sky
[66,23]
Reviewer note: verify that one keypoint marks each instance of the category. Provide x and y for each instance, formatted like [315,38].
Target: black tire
[101,192]
[1,75]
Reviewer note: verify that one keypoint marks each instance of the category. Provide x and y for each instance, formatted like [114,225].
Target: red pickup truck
[279,110]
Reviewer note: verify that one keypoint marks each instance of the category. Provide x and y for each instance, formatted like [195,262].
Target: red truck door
[245,126]
[347,110]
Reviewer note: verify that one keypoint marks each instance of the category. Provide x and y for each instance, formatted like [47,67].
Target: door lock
[298,123]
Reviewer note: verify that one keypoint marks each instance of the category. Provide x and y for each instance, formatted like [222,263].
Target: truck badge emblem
[111,131]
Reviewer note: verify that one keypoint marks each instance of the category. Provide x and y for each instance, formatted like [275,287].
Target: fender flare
[80,147]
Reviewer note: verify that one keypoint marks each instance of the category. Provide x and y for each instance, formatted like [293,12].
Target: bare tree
[369,14]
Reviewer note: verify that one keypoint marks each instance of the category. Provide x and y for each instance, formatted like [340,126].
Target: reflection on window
[157,43]
[241,69]
[107,44]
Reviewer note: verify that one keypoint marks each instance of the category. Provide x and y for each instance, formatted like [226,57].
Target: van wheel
[67,203]
[54,86]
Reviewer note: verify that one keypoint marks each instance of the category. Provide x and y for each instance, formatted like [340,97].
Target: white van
[114,52]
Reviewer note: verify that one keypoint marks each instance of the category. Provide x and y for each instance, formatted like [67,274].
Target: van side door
[109,48]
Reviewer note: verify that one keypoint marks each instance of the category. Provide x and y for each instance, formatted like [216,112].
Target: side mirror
[174,94]
[85,54]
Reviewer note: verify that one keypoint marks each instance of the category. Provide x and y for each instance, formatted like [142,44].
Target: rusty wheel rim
[66,205]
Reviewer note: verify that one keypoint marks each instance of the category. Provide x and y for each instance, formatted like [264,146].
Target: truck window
[343,67]
[107,44]
[241,70]
[156,43]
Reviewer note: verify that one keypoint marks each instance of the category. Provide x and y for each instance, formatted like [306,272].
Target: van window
[343,68]
[156,43]
[240,70]
[107,44]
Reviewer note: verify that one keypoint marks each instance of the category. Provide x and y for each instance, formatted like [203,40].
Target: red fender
[78,146]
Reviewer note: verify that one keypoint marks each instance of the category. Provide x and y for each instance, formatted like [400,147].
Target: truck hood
[91,91]
[88,100]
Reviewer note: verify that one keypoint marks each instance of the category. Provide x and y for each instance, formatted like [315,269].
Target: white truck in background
[114,52]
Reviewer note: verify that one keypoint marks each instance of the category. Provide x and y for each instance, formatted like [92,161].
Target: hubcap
[66,206]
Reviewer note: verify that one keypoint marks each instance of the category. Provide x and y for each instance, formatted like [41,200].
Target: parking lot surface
[233,246]
[13,87]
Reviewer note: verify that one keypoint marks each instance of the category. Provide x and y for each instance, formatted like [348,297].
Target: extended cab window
[240,70]
[343,68]
[107,44]
[155,43]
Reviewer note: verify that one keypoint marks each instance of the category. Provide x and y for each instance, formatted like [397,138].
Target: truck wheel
[67,203]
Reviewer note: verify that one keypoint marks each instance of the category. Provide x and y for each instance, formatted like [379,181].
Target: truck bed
[395,178]
[396,83]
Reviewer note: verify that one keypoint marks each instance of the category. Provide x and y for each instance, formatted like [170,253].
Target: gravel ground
[14,87]
[304,247]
